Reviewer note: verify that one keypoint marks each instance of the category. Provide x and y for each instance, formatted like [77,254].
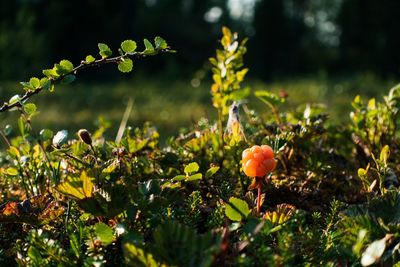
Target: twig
[78,68]
[5,138]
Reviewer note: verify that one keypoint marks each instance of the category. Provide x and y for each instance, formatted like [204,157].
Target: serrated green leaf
[68,79]
[104,233]
[89,59]
[105,51]
[103,47]
[60,70]
[126,65]
[27,85]
[45,83]
[160,43]
[240,205]
[35,82]
[211,171]
[30,108]
[67,65]
[51,73]
[128,46]
[191,168]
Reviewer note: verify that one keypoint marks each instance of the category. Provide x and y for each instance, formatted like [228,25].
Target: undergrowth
[84,200]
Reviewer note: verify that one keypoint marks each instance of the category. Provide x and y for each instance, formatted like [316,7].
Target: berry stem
[259,197]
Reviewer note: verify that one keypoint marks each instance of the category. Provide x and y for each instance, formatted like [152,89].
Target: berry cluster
[258,161]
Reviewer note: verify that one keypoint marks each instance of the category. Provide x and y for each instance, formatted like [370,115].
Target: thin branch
[5,138]
[78,68]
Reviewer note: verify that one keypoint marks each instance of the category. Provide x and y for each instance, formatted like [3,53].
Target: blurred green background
[316,50]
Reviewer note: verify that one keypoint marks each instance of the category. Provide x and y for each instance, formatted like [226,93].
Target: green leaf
[160,43]
[12,171]
[21,125]
[46,134]
[30,108]
[77,188]
[73,241]
[371,104]
[239,94]
[211,171]
[149,47]
[194,177]
[27,85]
[104,233]
[67,65]
[125,65]
[35,82]
[89,59]
[51,73]
[14,99]
[191,168]
[269,98]
[128,46]
[105,51]
[13,152]
[179,178]
[68,79]
[384,154]
[110,168]
[240,205]
[357,102]
[361,172]
[45,83]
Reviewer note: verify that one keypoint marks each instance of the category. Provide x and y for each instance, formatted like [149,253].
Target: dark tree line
[287,37]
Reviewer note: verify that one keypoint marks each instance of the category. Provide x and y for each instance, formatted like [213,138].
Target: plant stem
[49,162]
[220,129]
[67,217]
[5,138]
[259,197]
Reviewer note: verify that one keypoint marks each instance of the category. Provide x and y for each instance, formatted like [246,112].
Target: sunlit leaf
[191,168]
[104,233]
[128,46]
[241,209]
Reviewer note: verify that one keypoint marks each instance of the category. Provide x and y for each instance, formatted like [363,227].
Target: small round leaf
[128,46]
[126,65]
